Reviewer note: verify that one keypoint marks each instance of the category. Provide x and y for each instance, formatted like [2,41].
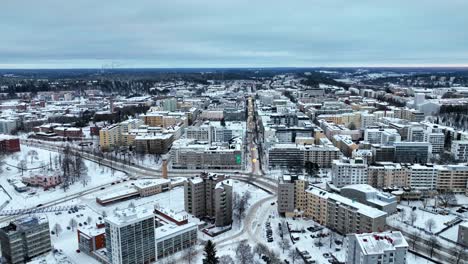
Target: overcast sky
[232,33]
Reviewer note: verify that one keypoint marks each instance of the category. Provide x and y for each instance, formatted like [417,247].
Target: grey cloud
[210,33]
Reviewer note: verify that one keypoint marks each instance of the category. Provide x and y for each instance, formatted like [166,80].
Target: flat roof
[378,243]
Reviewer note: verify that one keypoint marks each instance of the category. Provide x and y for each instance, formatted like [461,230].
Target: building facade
[24,239]
[377,248]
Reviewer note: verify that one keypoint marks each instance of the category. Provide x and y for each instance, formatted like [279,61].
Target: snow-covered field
[97,175]
[421,219]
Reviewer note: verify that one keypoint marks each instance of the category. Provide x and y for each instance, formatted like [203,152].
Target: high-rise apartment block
[349,171]
[24,239]
[209,196]
[130,236]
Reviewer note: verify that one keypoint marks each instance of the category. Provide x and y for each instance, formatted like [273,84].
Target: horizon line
[413,66]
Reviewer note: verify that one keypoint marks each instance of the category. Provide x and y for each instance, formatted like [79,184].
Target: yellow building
[109,137]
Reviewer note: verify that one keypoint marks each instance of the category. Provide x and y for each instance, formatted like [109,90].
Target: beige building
[113,135]
[109,137]
[322,155]
[343,214]
[164,118]
[387,174]
[452,178]
[333,210]
[291,195]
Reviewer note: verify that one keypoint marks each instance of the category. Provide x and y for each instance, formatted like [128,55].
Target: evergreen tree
[210,253]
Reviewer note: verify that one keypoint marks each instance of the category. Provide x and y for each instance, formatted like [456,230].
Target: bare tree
[430,223]
[22,166]
[425,201]
[261,249]
[244,253]
[294,255]
[284,243]
[446,198]
[57,229]
[416,238]
[240,204]
[33,154]
[73,224]
[226,259]
[433,244]
[89,219]
[413,217]
[189,254]
[403,214]
[104,213]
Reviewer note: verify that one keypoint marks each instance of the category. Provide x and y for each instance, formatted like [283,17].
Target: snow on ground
[422,217]
[415,259]
[171,200]
[67,239]
[52,258]
[451,233]
[98,175]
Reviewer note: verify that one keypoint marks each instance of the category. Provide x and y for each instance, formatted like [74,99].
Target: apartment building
[349,171]
[459,150]
[291,195]
[24,239]
[377,248]
[322,155]
[153,143]
[383,136]
[112,136]
[436,139]
[415,133]
[462,237]
[387,174]
[164,118]
[209,196]
[342,214]
[452,178]
[423,177]
[130,236]
[9,144]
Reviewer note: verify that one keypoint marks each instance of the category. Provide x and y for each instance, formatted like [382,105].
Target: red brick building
[9,144]
[91,239]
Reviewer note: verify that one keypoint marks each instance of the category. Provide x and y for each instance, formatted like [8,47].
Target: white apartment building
[367,120]
[415,134]
[436,139]
[349,171]
[383,136]
[459,150]
[377,248]
[423,177]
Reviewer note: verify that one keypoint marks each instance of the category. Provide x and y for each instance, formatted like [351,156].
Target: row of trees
[73,168]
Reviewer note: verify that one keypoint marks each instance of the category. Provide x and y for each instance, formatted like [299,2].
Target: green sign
[238,159]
